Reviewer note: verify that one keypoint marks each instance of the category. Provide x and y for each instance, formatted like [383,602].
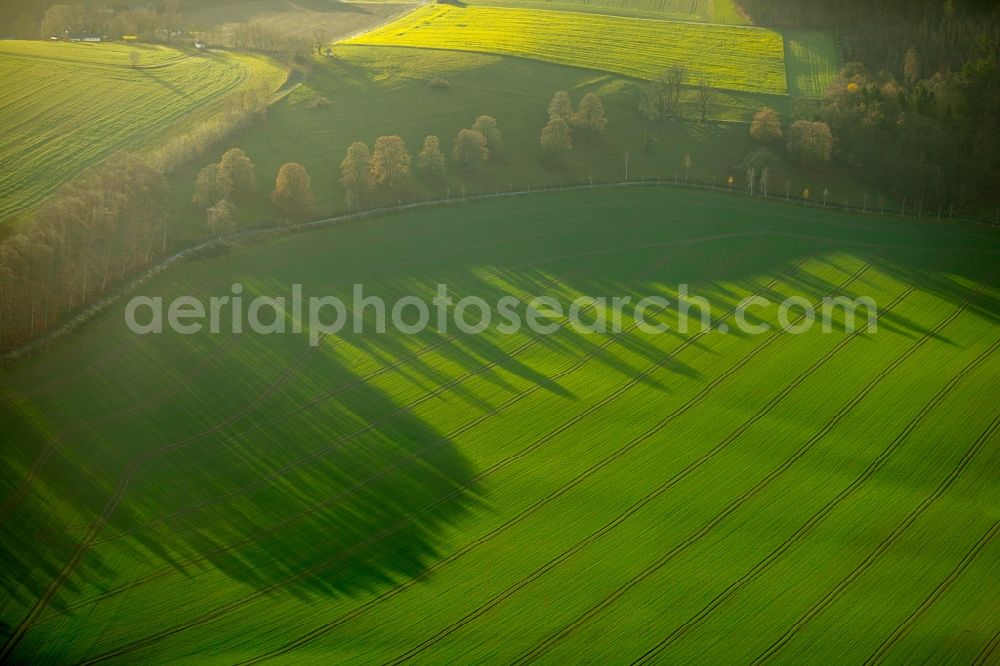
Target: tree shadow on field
[345,498]
[343,508]
[165,84]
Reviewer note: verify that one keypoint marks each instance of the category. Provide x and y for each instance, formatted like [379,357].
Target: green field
[453,498]
[742,58]
[67,106]
[376,91]
[813,61]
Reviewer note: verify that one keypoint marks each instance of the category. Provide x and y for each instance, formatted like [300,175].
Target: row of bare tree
[91,236]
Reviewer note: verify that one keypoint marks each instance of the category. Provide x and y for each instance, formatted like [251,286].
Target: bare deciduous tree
[241,173]
[356,172]
[487,126]
[766,126]
[320,39]
[591,116]
[292,193]
[556,137]
[470,147]
[704,96]
[431,160]
[390,161]
[561,106]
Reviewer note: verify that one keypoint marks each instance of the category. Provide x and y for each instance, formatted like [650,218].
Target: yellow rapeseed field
[726,57]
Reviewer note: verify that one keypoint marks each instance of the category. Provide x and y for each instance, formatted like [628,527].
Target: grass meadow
[376,91]
[452,498]
[743,58]
[67,106]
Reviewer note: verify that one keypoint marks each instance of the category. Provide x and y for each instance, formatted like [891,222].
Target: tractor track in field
[939,591]
[830,597]
[305,514]
[815,238]
[516,519]
[323,565]
[822,513]
[660,490]
[988,650]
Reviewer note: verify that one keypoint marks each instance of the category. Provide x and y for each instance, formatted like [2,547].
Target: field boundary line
[410,8]
[904,628]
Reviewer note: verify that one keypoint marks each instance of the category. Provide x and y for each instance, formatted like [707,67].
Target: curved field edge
[801,251]
[63,120]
